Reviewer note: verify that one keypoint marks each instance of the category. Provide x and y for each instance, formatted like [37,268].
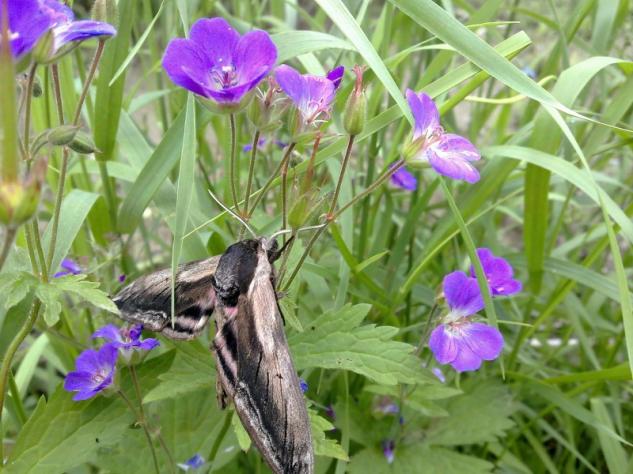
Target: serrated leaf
[336,340]
[85,290]
[49,295]
[16,286]
[417,460]
[324,446]
[480,415]
[193,369]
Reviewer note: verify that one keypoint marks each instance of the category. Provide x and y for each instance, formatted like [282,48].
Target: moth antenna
[312,227]
[232,213]
[279,232]
[302,229]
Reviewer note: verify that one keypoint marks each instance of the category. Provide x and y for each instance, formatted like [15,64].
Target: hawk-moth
[254,367]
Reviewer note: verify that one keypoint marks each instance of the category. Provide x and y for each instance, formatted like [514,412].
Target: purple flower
[193,463]
[28,21]
[439,374]
[498,272]
[70,267]
[330,413]
[304,385]
[458,341]
[448,154]
[216,63]
[126,339]
[66,29]
[402,178]
[388,447]
[121,277]
[95,372]
[261,143]
[386,406]
[312,95]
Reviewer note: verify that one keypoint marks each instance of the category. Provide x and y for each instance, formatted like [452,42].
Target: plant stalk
[140,419]
[233,163]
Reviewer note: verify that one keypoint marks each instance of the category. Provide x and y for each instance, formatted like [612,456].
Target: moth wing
[268,397]
[148,299]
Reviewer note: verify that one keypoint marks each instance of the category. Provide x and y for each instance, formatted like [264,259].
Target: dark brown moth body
[254,366]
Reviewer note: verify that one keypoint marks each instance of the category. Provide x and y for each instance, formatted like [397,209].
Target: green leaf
[614,453]
[336,340]
[50,297]
[85,290]
[243,438]
[193,369]
[414,459]
[324,446]
[295,43]
[73,213]
[63,434]
[16,285]
[480,415]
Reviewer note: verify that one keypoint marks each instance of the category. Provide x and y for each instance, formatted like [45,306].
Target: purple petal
[336,76]
[77,381]
[255,56]
[439,374]
[81,30]
[291,82]
[462,294]
[135,332]
[58,12]
[216,40]
[499,273]
[70,265]
[442,344]
[425,113]
[186,66]
[109,332]
[466,359]
[85,395]
[485,341]
[148,344]
[107,356]
[28,21]
[405,180]
[451,157]
[88,361]
[61,274]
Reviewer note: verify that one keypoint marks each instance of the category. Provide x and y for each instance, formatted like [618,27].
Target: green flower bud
[62,135]
[356,106]
[19,200]
[83,144]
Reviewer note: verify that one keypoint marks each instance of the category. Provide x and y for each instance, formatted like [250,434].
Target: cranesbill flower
[69,267]
[498,272]
[28,21]
[193,463]
[217,63]
[304,385]
[449,154]
[95,372]
[126,338]
[402,178]
[67,30]
[458,341]
[312,95]
[388,448]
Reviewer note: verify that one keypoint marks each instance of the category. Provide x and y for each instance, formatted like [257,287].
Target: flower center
[99,376]
[224,76]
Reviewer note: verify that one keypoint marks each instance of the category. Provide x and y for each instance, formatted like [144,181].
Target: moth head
[235,271]
[272,249]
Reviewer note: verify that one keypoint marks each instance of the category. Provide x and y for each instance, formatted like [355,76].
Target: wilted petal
[462,294]
[425,113]
[442,344]
[485,341]
[403,179]
[499,273]
[336,76]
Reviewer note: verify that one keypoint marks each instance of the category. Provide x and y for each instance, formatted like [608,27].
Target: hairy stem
[251,169]
[27,112]
[91,75]
[233,163]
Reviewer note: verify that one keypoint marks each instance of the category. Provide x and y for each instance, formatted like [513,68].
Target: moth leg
[222,396]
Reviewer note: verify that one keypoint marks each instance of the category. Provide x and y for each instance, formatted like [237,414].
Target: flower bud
[105,11]
[356,106]
[19,200]
[83,144]
[412,151]
[62,135]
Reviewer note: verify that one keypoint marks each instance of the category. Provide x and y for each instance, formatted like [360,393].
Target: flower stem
[251,169]
[339,184]
[218,440]
[91,75]
[291,147]
[284,194]
[9,237]
[139,396]
[334,215]
[233,163]
[27,111]
[140,419]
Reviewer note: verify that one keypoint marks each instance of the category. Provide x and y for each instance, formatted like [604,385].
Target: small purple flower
[439,374]
[386,406]
[193,463]
[458,341]
[261,143]
[448,154]
[498,272]
[304,385]
[330,413]
[312,95]
[126,339]
[66,29]
[402,178]
[217,63]
[122,277]
[28,21]
[388,448]
[95,372]
[529,72]
[69,267]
